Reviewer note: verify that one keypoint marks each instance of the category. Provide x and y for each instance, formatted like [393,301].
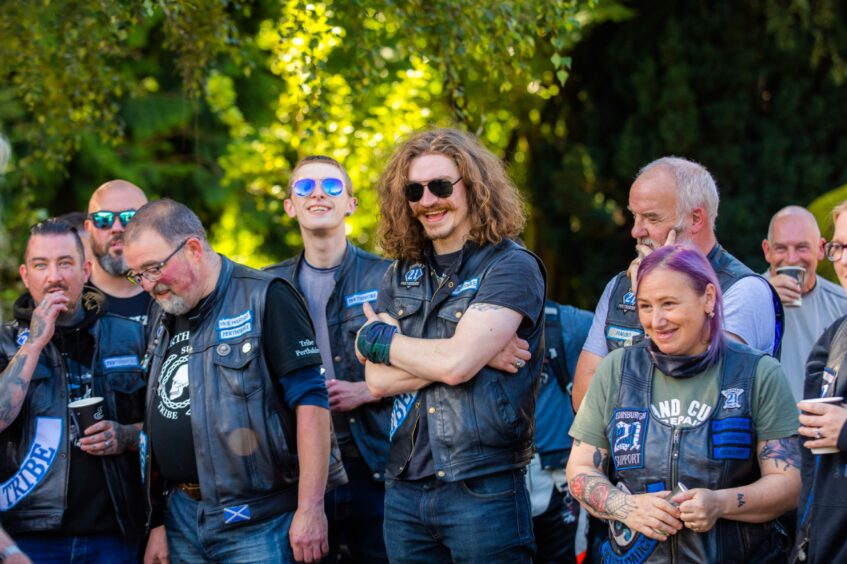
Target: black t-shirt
[134,308]
[286,327]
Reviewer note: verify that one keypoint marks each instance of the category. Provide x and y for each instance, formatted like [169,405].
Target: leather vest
[234,401]
[356,281]
[649,455]
[622,324]
[485,425]
[35,449]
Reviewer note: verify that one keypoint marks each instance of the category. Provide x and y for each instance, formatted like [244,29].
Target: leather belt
[190,489]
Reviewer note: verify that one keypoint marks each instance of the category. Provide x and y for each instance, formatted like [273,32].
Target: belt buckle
[191,490]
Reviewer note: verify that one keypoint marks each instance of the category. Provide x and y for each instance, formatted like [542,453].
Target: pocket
[128,391]
[454,309]
[400,308]
[232,364]
[493,486]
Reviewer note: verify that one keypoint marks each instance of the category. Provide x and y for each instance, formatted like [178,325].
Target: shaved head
[134,194]
[796,212]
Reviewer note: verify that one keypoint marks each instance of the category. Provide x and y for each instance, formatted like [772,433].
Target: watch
[10,550]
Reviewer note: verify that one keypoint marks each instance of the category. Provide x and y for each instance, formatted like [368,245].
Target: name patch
[732,438]
[629,432]
[622,334]
[128,361]
[235,332]
[36,463]
[360,298]
[467,286]
[241,319]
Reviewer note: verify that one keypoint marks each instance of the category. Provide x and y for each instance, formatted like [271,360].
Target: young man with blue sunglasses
[336,278]
[110,209]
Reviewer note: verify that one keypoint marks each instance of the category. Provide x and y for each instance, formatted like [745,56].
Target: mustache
[117,238]
[56,287]
[159,287]
[420,211]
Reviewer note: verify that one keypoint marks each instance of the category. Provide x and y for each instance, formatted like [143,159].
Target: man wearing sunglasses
[464,363]
[110,209]
[336,278]
[237,431]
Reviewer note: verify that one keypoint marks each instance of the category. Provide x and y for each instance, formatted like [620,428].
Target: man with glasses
[811,302]
[458,345]
[69,496]
[336,278]
[237,432]
[110,209]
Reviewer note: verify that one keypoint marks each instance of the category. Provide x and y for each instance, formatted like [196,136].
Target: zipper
[674,478]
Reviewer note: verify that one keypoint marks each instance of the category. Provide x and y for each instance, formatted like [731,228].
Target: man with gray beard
[110,208]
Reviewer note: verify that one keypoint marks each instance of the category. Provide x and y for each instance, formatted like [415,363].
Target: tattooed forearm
[601,459]
[741,501]
[485,307]
[13,388]
[601,496]
[785,453]
[127,436]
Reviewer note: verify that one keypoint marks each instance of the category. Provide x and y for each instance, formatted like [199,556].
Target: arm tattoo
[13,388]
[600,459]
[741,501]
[781,451]
[485,307]
[127,436]
[600,495]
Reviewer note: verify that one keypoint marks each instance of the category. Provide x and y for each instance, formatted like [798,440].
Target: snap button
[399,312]
[336,359]
[440,473]
[449,284]
[352,420]
[376,476]
[246,348]
[458,314]
[223,349]
[432,410]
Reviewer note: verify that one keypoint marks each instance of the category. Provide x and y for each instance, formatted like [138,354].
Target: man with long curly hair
[457,343]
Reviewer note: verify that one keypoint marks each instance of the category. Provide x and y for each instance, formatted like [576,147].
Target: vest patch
[400,410]
[734,453]
[467,286]
[35,465]
[629,430]
[550,310]
[142,453]
[235,332]
[128,361]
[23,335]
[731,424]
[237,514]
[240,319]
[630,547]
[627,302]
[622,334]
[413,276]
[731,438]
[732,398]
[360,298]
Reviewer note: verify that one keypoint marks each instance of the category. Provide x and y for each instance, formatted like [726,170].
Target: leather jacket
[235,397]
[357,281]
[34,465]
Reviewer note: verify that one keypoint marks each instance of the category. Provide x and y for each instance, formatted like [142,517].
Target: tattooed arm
[776,492]
[649,514]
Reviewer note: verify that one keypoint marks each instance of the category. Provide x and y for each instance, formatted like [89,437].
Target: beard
[112,264]
[175,305]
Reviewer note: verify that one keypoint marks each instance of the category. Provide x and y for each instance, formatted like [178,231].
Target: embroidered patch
[237,514]
[413,276]
[623,335]
[629,546]
[236,332]
[36,463]
[240,319]
[734,453]
[400,410]
[467,286]
[732,398]
[549,310]
[731,424]
[360,298]
[629,432]
[23,335]
[128,361]
[731,438]
[629,298]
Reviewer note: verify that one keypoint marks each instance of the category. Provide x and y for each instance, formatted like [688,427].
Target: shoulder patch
[360,298]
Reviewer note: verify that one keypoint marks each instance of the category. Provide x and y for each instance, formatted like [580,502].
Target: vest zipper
[674,478]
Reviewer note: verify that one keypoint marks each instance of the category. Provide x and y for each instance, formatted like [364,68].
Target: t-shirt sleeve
[748,312]
[774,411]
[594,413]
[289,336]
[515,282]
[596,341]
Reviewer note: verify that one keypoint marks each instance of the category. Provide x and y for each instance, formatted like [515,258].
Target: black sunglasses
[105,219]
[439,187]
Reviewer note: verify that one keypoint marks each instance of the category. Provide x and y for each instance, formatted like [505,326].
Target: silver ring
[818,433]
[106,444]
[519,363]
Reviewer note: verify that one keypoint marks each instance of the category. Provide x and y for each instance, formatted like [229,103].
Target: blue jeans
[483,520]
[555,530]
[85,549]
[191,540]
[355,512]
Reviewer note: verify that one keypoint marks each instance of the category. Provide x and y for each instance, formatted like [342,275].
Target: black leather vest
[649,455]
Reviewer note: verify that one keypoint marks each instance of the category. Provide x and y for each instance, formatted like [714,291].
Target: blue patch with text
[413,276]
[731,438]
[232,327]
[36,464]
[467,286]
[629,431]
[128,361]
[360,298]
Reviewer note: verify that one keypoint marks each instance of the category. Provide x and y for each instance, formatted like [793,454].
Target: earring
[711,314]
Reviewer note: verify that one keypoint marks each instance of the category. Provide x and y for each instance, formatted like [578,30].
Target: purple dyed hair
[689,261]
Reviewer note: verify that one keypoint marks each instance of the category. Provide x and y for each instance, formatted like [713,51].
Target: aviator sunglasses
[331,186]
[439,187]
[105,219]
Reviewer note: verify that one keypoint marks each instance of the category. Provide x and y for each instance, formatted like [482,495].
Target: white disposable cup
[798,273]
[837,400]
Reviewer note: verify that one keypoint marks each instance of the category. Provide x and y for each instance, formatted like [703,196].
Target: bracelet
[10,550]
[374,341]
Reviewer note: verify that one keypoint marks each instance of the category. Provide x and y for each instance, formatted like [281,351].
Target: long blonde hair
[495,207]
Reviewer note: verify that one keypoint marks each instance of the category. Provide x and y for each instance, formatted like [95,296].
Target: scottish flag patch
[237,514]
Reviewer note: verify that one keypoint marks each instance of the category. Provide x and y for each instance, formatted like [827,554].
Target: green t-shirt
[687,402]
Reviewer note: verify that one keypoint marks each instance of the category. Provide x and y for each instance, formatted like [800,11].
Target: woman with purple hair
[686,441]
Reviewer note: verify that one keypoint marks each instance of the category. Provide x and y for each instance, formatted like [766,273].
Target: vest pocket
[128,390]
[400,308]
[231,364]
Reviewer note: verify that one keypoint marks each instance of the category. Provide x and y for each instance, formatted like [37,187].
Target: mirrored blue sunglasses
[331,186]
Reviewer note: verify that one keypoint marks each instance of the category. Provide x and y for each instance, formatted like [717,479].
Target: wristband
[10,550]
[374,341]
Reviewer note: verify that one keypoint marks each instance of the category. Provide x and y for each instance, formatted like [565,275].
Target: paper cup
[85,413]
[798,273]
[837,400]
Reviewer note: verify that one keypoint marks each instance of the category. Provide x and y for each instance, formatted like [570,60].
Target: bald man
[794,239]
[110,208]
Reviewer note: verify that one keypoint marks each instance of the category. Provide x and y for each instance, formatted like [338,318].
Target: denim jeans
[555,530]
[84,549]
[483,520]
[190,539]
[355,512]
